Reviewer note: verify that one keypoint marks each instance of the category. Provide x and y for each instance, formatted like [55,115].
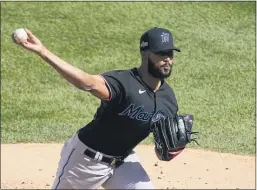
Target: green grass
[213,78]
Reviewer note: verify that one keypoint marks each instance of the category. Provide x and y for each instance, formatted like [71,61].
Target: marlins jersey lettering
[124,120]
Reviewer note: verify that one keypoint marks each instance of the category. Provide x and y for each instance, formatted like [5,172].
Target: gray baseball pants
[78,171]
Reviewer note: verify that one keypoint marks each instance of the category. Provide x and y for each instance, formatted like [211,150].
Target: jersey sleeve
[113,81]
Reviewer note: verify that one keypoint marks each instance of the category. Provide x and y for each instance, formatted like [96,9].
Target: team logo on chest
[138,113]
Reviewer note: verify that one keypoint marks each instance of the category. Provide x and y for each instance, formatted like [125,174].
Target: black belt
[111,161]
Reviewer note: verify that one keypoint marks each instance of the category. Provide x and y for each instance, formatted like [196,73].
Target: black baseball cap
[157,40]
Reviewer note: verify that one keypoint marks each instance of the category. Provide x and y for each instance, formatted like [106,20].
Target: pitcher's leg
[66,152]
[77,171]
[130,175]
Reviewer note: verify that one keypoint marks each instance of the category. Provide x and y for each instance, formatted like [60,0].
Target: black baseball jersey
[124,120]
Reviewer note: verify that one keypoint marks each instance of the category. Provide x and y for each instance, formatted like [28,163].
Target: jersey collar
[138,77]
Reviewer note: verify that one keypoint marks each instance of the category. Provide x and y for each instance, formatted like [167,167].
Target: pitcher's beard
[157,72]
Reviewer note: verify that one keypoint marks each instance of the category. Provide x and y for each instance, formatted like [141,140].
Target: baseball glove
[172,135]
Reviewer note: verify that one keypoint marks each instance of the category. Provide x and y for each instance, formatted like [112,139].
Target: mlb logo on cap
[143,44]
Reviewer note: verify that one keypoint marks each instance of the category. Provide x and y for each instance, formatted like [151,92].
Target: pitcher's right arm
[95,84]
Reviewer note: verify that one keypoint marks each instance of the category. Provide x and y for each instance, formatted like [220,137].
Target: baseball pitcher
[134,103]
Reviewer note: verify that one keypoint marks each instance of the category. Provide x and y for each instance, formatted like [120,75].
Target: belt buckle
[113,162]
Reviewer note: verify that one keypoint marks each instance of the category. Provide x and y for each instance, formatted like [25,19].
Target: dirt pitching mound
[27,166]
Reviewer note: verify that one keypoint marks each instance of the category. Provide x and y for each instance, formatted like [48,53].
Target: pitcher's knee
[140,185]
[62,184]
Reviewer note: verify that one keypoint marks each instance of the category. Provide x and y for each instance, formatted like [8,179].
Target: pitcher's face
[160,64]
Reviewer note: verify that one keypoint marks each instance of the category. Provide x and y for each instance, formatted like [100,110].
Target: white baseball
[20,35]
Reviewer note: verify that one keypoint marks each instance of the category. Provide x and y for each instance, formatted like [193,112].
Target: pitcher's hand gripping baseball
[171,135]
[32,43]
